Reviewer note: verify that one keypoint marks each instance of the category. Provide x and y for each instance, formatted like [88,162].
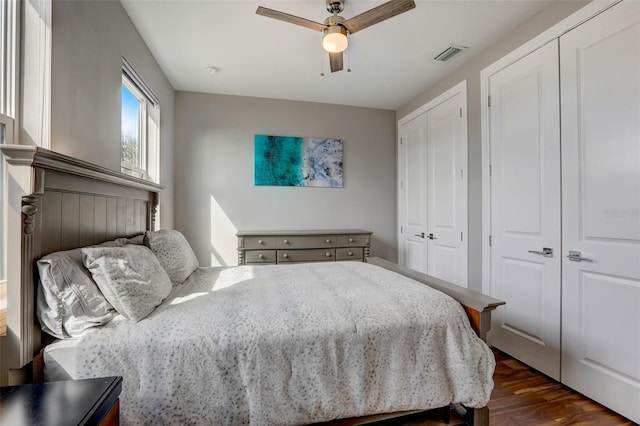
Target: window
[133,136]
[140,126]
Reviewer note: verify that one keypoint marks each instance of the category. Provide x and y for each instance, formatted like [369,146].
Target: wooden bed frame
[58,203]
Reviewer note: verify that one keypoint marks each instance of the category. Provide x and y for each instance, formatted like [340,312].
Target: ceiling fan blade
[335,61]
[378,14]
[292,19]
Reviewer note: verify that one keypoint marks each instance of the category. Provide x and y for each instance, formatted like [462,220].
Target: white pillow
[130,278]
[174,253]
[69,301]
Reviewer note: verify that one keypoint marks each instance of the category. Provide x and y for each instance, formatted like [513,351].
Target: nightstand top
[71,402]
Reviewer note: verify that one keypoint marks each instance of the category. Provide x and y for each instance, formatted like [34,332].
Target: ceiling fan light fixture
[335,39]
[335,28]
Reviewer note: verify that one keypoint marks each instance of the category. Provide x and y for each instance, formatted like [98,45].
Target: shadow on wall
[222,233]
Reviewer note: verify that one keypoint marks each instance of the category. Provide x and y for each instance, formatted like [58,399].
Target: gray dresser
[269,247]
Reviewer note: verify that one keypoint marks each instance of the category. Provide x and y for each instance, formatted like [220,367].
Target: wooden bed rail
[478,306]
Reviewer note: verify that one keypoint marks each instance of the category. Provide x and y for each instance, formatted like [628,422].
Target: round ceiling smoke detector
[211,69]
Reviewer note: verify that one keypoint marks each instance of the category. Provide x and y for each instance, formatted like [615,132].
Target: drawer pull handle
[285,241]
[260,242]
[286,256]
[350,253]
[351,240]
[328,254]
[328,241]
[261,256]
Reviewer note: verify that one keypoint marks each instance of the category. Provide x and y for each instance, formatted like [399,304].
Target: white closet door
[525,209]
[600,80]
[412,157]
[447,190]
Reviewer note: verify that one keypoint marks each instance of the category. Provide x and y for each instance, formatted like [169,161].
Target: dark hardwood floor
[522,397]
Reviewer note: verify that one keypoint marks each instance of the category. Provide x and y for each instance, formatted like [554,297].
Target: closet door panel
[600,98]
[525,209]
[412,158]
[447,190]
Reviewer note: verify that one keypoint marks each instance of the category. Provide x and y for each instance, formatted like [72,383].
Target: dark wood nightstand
[72,402]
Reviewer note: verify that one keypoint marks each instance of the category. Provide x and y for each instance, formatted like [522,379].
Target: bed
[346,339]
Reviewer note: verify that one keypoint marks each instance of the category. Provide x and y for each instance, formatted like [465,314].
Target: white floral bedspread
[291,344]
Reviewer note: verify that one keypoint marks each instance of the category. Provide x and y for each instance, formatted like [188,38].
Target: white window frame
[9,45]
[148,126]
[6,137]
[9,71]
[138,169]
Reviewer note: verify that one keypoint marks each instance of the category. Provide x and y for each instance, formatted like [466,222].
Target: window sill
[134,171]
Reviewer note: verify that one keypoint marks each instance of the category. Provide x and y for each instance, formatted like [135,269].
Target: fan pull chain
[321,59]
[349,60]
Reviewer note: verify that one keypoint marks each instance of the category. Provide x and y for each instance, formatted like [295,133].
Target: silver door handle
[576,256]
[431,237]
[421,235]
[546,252]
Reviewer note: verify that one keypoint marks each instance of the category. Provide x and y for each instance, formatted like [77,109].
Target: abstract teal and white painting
[296,161]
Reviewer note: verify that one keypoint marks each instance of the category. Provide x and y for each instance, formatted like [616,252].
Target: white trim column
[35,85]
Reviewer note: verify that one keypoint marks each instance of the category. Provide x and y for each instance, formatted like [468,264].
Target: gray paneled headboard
[56,202]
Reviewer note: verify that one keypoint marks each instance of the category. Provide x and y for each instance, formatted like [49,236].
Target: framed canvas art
[296,161]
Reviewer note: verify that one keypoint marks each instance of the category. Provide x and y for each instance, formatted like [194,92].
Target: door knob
[421,235]
[576,256]
[431,237]
[546,252]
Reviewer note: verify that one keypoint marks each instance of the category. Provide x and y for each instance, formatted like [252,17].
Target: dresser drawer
[311,255]
[354,253]
[305,241]
[353,240]
[260,256]
[259,242]
[290,246]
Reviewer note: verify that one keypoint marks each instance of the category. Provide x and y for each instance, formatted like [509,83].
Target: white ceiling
[391,61]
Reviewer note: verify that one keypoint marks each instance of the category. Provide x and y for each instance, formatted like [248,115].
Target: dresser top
[303,232]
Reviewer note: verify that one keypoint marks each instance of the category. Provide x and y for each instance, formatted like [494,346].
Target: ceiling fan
[335,28]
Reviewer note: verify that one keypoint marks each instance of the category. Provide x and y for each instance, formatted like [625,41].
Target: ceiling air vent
[449,53]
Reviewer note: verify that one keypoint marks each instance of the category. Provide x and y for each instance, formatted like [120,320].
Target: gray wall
[214,190]
[89,39]
[471,72]
[213,185]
